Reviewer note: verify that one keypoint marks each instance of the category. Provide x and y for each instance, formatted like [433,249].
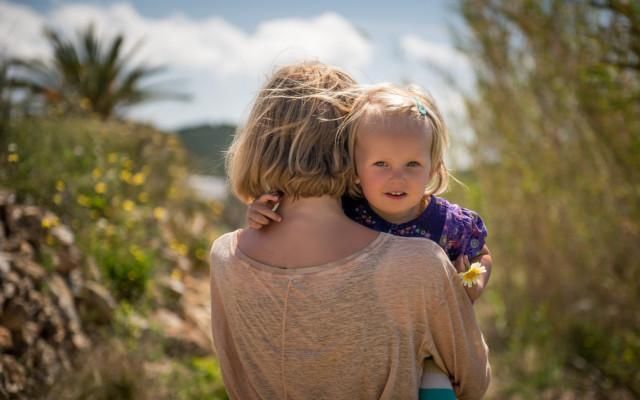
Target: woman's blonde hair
[290,142]
[410,102]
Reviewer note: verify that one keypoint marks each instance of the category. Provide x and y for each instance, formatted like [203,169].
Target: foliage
[556,115]
[116,370]
[122,189]
[89,76]
[207,145]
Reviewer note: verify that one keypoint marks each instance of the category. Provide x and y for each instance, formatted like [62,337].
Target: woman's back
[357,327]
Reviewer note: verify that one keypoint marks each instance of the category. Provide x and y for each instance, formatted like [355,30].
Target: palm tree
[89,76]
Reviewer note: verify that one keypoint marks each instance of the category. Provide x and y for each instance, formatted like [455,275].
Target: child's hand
[461,263]
[262,211]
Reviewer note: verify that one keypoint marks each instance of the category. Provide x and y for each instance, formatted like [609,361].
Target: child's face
[393,160]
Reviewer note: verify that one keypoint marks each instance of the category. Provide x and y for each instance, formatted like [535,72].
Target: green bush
[121,187]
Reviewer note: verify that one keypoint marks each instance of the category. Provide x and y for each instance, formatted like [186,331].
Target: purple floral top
[456,229]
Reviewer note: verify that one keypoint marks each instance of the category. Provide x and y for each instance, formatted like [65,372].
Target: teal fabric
[437,394]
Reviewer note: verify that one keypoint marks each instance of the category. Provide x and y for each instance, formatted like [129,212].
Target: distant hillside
[206,145]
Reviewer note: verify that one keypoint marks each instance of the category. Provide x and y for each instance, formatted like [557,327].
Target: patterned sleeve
[463,232]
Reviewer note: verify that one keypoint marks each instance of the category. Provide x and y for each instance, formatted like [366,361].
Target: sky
[220,52]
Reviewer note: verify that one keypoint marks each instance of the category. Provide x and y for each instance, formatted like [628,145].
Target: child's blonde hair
[290,142]
[411,102]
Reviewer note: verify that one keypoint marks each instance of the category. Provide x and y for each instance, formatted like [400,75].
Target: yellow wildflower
[110,230]
[112,158]
[217,208]
[100,187]
[13,157]
[132,275]
[143,197]
[159,213]
[125,176]
[179,248]
[83,200]
[50,221]
[201,254]
[60,185]
[176,274]
[128,205]
[96,173]
[471,276]
[138,179]
[85,104]
[136,252]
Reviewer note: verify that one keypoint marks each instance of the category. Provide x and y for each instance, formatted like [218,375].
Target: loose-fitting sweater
[356,328]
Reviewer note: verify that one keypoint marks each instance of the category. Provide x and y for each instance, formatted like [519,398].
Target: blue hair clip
[421,108]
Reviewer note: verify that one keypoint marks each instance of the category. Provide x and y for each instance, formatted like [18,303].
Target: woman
[322,307]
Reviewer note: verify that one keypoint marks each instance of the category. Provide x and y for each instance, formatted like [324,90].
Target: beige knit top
[356,328]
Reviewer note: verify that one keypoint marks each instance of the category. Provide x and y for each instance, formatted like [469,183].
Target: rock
[28,268]
[63,234]
[68,259]
[80,341]
[76,282]
[92,270]
[65,301]
[40,330]
[27,220]
[5,338]
[14,375]
[97,303]
[15,314]
[5,267]
[171,292]
[181,334]
[29,332]
[52,325]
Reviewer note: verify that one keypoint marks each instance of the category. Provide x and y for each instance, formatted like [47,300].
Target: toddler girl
[397,139]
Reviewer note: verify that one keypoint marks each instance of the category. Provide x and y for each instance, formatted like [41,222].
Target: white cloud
[216,62]
[212,43]
[423,50]
[21,31]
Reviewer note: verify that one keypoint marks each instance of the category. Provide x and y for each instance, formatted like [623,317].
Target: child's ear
[356,180]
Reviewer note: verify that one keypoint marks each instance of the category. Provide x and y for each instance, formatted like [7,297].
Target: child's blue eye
[413,164]
[380,164]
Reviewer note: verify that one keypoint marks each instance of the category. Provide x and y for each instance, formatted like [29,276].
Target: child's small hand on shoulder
[263,210]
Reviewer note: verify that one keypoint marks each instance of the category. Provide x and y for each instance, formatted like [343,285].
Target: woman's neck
[313,231]
[311,207]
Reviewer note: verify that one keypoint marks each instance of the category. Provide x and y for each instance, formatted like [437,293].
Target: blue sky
[220,52]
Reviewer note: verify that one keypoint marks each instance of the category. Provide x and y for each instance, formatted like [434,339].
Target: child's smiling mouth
[395,195]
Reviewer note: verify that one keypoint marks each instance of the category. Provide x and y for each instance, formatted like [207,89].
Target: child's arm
[262,211]
[484,258]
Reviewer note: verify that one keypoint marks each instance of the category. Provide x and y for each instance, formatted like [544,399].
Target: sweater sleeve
[453,336]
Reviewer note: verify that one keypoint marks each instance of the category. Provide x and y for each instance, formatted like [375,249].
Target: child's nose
[397,174]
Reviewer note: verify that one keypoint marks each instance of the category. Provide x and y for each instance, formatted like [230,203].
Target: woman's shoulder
[223,246]
[416,254]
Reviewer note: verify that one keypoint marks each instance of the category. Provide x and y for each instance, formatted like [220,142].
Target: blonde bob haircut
[290,141]
[411,102]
